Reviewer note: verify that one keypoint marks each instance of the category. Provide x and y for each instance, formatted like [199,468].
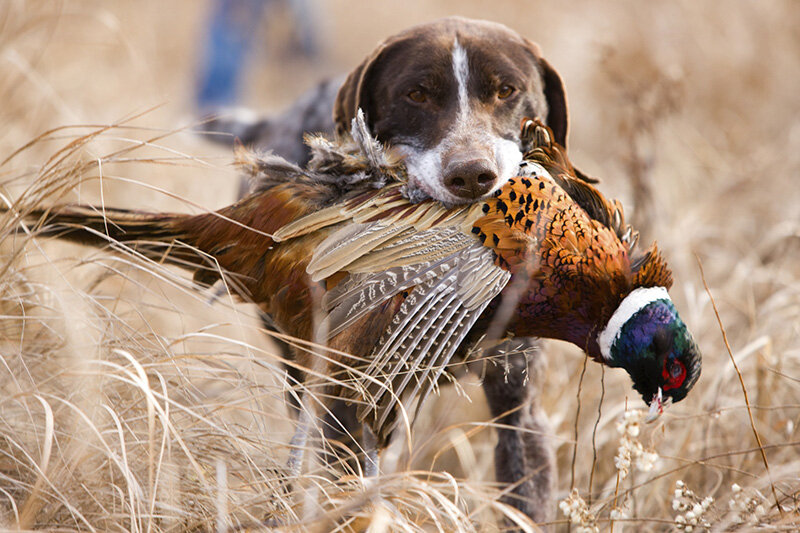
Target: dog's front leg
[524,458]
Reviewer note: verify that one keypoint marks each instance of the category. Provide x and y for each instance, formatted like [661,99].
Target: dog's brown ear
[557,118]
[352,94]
[558,114]
[344,109]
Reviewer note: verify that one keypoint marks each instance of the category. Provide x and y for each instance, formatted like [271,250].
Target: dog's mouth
[456,177]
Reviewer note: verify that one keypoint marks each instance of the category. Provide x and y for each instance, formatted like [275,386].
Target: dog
[448,96]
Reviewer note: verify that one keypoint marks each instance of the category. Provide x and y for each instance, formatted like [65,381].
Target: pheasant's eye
[674,373]
[417,96]
[505,91]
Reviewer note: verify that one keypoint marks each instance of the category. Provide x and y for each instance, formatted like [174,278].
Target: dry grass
[129,402]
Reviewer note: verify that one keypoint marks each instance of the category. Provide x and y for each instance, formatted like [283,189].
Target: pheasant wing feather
[424,335]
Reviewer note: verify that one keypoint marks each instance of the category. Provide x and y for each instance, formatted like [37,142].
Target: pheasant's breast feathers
[532,223]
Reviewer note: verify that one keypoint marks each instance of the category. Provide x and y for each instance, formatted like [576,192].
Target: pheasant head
[647,338]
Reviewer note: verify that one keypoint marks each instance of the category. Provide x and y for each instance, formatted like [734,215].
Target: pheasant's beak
[657,405]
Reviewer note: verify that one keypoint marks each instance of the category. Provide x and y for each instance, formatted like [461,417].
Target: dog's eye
[417,96]
[505,91]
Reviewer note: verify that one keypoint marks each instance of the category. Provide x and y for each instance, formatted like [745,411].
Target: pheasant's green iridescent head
[647,338]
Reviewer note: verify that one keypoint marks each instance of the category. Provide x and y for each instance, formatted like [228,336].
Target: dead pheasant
[402,286]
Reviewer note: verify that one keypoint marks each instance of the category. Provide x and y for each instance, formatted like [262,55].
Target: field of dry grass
[130,401]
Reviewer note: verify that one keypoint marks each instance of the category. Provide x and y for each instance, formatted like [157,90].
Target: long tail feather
[159,237]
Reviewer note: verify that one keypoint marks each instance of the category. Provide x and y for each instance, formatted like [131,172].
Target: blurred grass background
[128,402]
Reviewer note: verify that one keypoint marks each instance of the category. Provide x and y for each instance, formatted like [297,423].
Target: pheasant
[401,286]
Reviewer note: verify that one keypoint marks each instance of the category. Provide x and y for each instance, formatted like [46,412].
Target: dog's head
[449,95]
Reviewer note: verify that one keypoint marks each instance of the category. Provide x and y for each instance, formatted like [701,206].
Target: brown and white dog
[449,96]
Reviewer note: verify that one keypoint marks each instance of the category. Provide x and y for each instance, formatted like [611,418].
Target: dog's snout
[470,179]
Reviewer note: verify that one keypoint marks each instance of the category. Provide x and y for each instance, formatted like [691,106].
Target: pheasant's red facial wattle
[674,373]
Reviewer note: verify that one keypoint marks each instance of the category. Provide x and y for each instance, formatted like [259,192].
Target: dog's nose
[470,179]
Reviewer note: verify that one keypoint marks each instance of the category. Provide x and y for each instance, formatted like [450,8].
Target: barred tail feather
[159,237]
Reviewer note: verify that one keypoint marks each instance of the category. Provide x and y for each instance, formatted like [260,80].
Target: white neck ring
[628,307]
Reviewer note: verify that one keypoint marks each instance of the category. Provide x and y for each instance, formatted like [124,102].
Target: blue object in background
[229,42]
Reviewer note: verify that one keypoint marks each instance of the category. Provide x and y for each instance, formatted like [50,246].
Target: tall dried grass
[131,403]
